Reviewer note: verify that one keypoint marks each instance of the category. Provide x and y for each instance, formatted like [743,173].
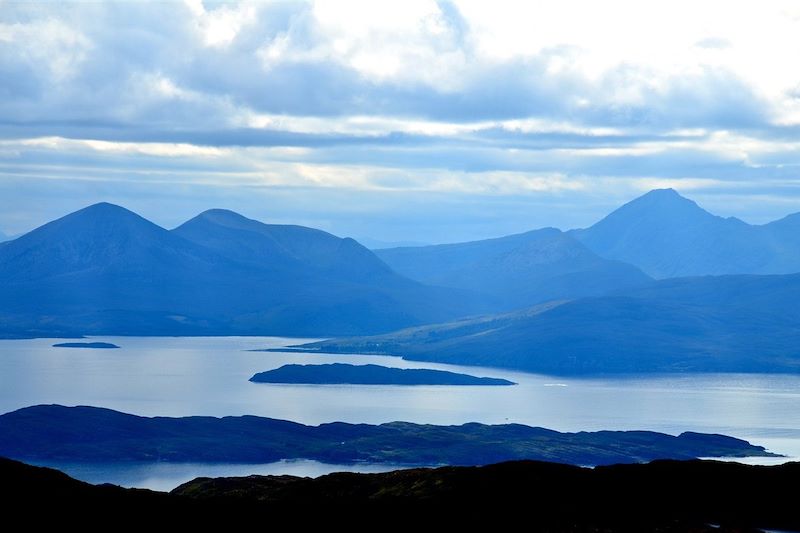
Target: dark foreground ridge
[95,345]
[340,373]
[663,496]
[90,434]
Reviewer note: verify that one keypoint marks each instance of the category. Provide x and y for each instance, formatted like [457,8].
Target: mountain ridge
[518,270]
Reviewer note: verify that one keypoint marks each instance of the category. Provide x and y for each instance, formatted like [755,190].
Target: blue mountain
[283,246]
[104,269]
[518,270]
[667,235]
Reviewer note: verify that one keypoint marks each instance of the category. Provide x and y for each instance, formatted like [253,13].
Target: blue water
[178,376]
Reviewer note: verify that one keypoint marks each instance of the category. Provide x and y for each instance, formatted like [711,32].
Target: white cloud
[148,148]
[49,43]
[221,25]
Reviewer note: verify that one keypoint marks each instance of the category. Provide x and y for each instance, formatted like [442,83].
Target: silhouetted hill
[518,270]
[106,270]
[250,241]
[709,324]
[663,496]
[340,373]
[90,434]
[667,235]
[99,239]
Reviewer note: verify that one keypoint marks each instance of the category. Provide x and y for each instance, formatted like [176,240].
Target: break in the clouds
[427,121]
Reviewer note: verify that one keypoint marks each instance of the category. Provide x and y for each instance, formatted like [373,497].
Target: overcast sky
[423,121]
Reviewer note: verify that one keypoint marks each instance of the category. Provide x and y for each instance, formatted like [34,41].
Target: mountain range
[661,233]
[104,269]
[518,270]
[581,301]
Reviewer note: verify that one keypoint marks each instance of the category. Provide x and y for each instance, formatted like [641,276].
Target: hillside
[709,324]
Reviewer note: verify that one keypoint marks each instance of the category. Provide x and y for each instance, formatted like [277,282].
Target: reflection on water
[177,376]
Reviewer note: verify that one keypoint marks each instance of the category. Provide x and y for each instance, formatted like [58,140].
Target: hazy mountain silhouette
[714,324]
[294,247]
[667,235]
[519,270]
[104,269]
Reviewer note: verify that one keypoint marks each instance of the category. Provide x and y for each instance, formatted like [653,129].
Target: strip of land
[90,434]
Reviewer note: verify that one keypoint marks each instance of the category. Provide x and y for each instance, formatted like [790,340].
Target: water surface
[179,376]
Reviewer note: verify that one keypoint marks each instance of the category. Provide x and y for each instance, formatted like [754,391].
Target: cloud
[713,43]
[475,100]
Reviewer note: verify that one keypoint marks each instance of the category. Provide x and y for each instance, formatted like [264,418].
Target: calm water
[178,376]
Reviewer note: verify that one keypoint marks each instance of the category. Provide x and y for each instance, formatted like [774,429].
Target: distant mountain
[518,270]
[4,237]
[667,235]
[376,244]
[104,269]
[709,324]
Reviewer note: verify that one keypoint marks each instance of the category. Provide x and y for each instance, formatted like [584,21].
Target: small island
[345,374]
[94,345]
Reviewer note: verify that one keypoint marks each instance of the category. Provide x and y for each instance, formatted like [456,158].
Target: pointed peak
[104,211]
[223,217]
[663,200]
[662,195]
[219,212]
[103,207]
[668,191]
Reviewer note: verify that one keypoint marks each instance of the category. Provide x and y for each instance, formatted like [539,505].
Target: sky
[398,121]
